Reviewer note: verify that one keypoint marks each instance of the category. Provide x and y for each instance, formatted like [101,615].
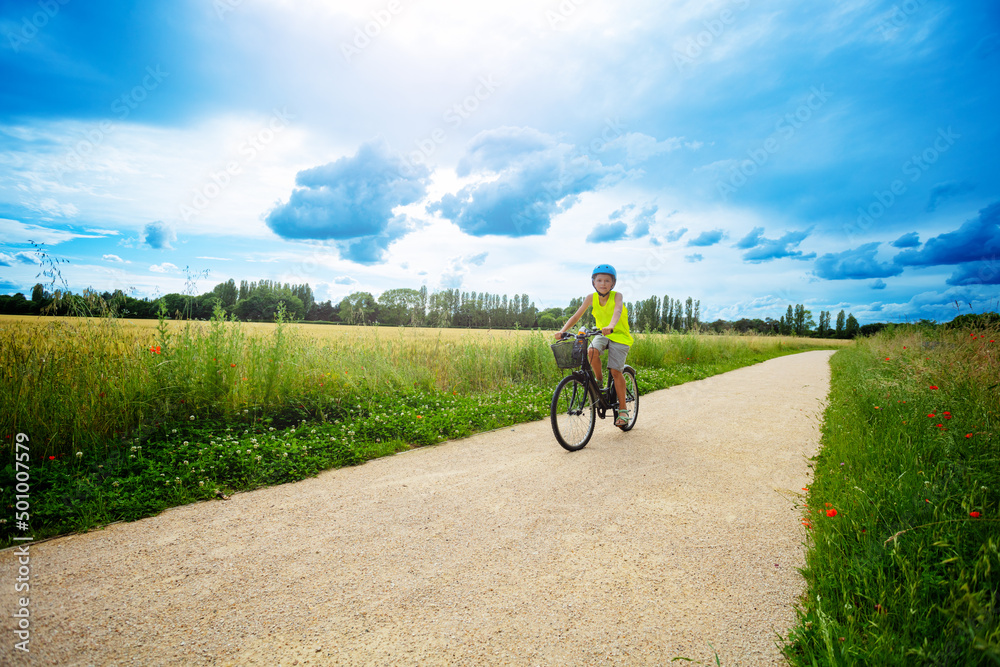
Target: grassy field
[903,564]
[125,418]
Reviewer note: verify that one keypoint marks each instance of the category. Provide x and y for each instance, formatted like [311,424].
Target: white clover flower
[186,463]
[201,483]
[79,455]
[114,483]
[186,443]
[192,417]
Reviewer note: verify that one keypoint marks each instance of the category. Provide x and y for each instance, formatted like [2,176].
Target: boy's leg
[597,345]
[595,363]
[616,363]
[619,379]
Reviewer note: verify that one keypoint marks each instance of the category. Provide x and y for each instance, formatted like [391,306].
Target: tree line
[259,301]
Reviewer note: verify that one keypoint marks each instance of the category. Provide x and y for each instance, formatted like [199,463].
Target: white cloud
[166,267]
[14,231]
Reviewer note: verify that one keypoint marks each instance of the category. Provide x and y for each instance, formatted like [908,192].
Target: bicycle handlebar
[584,333]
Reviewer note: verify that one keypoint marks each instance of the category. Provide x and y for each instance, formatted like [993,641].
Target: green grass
[126,422]
[903,562]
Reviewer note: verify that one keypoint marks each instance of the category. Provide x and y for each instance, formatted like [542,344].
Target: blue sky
[749,154]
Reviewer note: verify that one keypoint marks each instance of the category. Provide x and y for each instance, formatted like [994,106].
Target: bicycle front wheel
[573,414]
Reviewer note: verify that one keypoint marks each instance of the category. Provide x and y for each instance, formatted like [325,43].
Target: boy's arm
[614,316]
[576,316]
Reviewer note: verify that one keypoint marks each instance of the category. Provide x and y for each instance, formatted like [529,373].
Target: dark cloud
[751,240]
[943,191]
[859,263]
[766,250]
[620,213]
[676,234]
[986,272]
[531,178]
[608,231]
[911,240]
[976,240]
[708,238]
[350,202]
[159,235]
[643,220]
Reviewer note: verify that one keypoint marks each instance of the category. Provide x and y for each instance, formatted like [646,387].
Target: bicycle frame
[586,375]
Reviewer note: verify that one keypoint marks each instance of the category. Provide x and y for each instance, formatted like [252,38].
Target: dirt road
[678,539]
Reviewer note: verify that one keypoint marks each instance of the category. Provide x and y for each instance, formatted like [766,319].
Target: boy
[611,316]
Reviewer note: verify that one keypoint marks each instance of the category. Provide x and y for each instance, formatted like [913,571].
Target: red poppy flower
[887,358]
[974,515]
[831,512]
[930,414]
[933,386]
[232,365]
[968,435]
[52,458]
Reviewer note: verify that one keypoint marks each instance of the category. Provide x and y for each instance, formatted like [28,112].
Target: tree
[824,324]
[358,308]
[852,327]
[398,306]
[227,293]
[37,293]
[802,322]
[839,332]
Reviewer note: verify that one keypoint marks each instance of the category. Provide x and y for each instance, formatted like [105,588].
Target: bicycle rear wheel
[573,414]
[631,398]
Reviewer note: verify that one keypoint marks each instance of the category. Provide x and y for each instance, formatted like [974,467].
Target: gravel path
[678,539]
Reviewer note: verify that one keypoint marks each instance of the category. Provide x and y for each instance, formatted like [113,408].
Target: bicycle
[578,399]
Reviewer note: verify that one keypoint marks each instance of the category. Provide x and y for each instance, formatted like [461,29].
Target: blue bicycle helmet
[604,268]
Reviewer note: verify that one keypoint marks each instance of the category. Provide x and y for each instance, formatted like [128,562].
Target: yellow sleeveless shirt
[603,315]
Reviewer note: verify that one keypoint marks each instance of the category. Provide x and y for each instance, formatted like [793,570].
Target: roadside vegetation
[903,515]
[125,420]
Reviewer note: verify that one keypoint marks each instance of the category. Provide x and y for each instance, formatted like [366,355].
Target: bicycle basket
[569,353]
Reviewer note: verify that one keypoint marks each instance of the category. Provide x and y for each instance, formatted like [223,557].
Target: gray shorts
[616,351]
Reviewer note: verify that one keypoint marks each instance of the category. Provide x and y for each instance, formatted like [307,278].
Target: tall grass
[85,384]
[903,565]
